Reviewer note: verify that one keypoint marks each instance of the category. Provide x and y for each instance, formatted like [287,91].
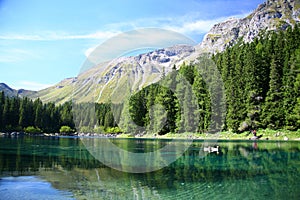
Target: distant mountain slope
[98,85]
[12,92]
[271,15]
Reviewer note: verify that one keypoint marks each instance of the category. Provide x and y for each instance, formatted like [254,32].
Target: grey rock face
[271,15]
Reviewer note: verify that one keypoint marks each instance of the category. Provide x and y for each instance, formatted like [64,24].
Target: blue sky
[45,41]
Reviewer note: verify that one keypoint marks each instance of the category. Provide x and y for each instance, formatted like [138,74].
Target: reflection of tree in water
[238,168]
[33,153]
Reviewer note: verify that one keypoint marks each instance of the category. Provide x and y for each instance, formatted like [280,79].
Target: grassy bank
[267,135]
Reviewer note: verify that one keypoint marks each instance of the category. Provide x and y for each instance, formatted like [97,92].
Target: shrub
[86,129]
[113,130]
[99,129]
[32,129]
[66,129]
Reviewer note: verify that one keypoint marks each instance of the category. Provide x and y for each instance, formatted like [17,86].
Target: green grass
[125,135]
[267,134]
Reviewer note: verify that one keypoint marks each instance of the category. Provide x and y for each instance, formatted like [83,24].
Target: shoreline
[267,135]
[20,134]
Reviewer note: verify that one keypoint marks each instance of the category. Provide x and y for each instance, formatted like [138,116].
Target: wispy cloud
[11,55]
[46,36]
[193,27]
[186,24]
[190,24]
[198,26]
[31,85]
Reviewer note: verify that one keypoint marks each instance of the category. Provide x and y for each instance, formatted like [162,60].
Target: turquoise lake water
[63,168]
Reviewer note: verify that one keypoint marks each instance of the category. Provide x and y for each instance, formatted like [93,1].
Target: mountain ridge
[270,15]
[147,68]
[13,92]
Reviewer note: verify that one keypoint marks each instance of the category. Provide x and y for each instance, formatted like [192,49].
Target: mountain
[103,79]
[271,15]
[100,83]
[12,92]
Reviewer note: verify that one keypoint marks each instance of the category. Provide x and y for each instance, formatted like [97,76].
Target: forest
[261,83]
[22,114]
[262,88]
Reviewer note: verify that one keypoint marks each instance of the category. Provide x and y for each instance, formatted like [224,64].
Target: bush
[113,130]
[86,129]
[66,129]
[32,129]
[99,129]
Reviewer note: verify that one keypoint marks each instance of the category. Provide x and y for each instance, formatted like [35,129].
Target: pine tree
[296,111]
[138,108]
[253,86]
[39,113]
[292,92]
[150,118]
[109,120]
[201,92]
[51,118]
[273,114]
[2,101]
[23,121]
[14,113]
[66,115]
[6,119]
[168,99]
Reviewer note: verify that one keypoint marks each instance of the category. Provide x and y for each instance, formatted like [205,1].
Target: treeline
[262,88]
[16,114]
[262,81]
[21,114]
[179,103]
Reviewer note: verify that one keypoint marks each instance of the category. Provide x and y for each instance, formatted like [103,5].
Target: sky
[44,41]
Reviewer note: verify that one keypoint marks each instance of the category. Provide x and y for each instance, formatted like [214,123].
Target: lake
[64,168]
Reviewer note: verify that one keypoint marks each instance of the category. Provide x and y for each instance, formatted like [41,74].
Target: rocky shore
[19,134]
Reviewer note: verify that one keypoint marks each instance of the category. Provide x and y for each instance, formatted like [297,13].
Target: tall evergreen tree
[253,86]
[14,112]
[273,114]
[38,113]
[2,101]
[6,119]
[292,92]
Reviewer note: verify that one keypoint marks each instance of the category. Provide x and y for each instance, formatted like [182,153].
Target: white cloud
[199,26]
[30,85]
[144,38]
[185,25]
[59,36]
[188,24]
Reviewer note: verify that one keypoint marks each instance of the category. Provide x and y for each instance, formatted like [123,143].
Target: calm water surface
[62,168]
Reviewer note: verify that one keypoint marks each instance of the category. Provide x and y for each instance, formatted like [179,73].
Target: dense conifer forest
[262,89]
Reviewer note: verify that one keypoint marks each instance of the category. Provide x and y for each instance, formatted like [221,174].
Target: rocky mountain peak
[271,15]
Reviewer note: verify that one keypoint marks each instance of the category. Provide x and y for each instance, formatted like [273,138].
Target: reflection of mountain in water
[237,170]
